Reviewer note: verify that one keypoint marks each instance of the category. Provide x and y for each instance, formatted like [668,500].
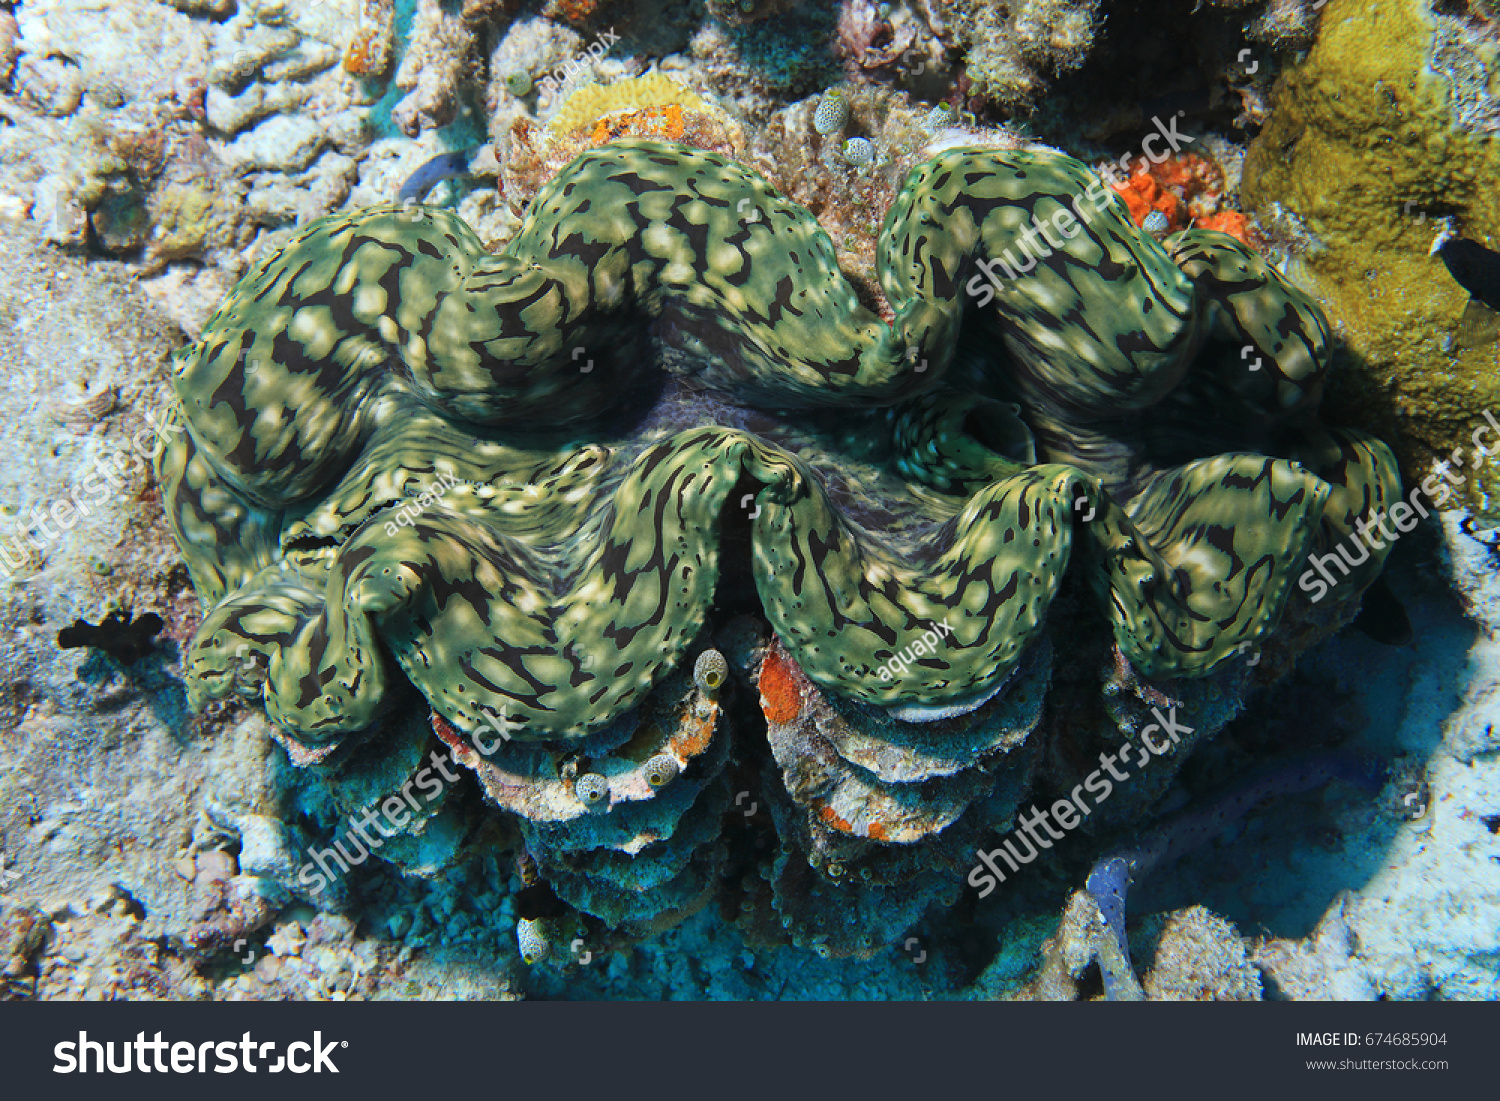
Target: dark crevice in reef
[1158,75]
[1382,616]
[539,901]
[1091,985]
[1075,711]
[749,835]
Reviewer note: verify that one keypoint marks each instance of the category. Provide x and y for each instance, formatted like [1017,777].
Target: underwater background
[749,500]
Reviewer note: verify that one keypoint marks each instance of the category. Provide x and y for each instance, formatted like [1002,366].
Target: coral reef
[652,106]
[371,46]
[1187,190]
[765,809]
[1014,49]
[1282,23]
[848,199]
[758,66]
[10,30]
[740,12]
[905,661]
[442,42]
[1201,957]
[907,42]
[22,934]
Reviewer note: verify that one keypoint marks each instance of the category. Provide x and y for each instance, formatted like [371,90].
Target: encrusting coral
[1370,171]
[540,484]
[652,106]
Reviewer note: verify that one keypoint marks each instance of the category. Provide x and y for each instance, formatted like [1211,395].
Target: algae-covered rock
[1366,144]
[1013,50]
[1200,957]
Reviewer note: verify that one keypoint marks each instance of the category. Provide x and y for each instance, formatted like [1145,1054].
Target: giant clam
[540,484]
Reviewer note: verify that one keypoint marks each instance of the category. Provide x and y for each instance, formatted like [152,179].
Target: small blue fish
[449,166]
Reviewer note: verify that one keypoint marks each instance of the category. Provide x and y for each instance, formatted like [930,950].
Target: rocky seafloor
[152,154]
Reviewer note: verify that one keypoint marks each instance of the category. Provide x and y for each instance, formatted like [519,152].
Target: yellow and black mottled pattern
[1096,318]
[362,480]
[1277,326]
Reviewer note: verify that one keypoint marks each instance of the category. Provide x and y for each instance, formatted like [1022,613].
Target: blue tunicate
[1110,878]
